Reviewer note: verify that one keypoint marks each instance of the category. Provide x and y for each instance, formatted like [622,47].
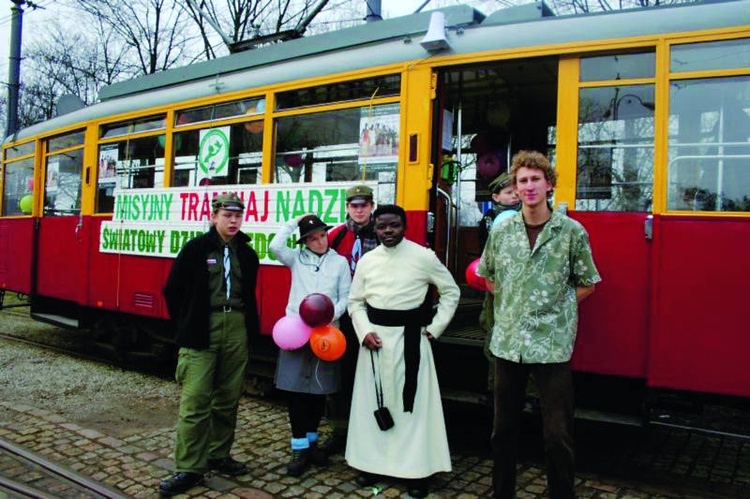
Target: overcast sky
[33,21]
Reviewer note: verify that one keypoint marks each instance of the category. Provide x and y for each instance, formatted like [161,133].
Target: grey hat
[229,201]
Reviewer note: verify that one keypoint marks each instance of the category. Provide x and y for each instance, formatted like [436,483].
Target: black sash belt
[412,320]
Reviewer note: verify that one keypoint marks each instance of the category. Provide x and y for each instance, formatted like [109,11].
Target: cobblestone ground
[677,466]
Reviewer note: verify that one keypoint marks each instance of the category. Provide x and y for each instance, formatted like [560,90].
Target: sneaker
[179,483]
[299,462]
[228,466]
[317,456]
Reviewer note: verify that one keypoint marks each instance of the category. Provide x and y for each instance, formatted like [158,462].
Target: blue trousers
[212,382]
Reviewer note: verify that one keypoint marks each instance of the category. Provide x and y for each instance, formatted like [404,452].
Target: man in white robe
[392,280]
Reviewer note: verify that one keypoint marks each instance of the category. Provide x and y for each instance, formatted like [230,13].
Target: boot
[335,443]
[299,462]
[317,456]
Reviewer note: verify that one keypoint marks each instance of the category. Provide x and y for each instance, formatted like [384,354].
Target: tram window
[618,67]
[725,54]
[18,187]
[248,107]
[343,145]
[65,141]
[615,149]
[344,91]
[709,145]
[132,126]
[19,150]
[230,154]
[62,187]
[128,164]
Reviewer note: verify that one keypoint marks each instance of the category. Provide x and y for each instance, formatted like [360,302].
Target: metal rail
[93,488]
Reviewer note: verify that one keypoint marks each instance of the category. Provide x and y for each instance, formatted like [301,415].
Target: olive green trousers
[212,382]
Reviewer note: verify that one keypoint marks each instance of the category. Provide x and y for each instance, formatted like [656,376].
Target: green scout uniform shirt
[536,310]
[216,283]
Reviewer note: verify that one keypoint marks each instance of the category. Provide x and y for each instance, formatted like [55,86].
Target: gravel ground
[94,395]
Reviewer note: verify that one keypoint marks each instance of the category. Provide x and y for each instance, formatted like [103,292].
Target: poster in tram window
[213,153]
[378,134]
[108,156]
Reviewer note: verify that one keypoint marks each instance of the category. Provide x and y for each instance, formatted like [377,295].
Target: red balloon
[316,309]
[473,279]
[327,342]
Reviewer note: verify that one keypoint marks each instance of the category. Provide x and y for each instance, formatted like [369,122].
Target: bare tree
[155,30]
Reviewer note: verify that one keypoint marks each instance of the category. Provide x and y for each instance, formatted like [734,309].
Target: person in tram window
[505,202]
[390,307]
[352,239]
[304,377]
[210,296]
[540,267]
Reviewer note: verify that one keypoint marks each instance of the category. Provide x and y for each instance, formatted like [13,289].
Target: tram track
[45,479]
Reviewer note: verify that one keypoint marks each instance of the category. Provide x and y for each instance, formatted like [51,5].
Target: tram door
[62,240]
[487,113]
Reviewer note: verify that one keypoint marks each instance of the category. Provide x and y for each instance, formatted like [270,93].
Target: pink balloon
[290,332]
[473,279]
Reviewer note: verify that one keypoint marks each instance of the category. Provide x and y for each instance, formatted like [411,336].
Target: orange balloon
[327,342]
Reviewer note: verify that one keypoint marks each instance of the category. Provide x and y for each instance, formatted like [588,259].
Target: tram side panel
[700,338]
[612,329]
[16,240]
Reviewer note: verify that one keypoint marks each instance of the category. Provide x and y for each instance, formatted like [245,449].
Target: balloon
[316,309]
[327,342]
[26,203]
[290,332]
[489,164]
[473,279]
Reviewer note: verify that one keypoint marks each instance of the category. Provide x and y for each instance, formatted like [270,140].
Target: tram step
[56,320]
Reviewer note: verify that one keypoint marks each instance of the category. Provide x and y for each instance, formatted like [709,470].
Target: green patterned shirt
[536,310]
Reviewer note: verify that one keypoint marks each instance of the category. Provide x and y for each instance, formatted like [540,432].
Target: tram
[644,113]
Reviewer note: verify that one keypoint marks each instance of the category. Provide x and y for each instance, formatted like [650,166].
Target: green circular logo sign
[213,152]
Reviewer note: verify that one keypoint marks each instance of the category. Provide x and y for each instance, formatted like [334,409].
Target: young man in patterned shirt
[539,265]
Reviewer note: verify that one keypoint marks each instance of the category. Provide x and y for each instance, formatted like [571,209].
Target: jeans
[556,397]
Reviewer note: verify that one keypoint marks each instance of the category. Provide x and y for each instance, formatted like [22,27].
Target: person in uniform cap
[505,202]
[306,379]
[210,296]
[352,239]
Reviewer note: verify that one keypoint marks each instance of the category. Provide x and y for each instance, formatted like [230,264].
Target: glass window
[62,187]
[132,126]
[726,54]
[65,141]
[344,145]
[229,154]
[615,149]
[249,107]
[617,67]
[19,150]
[345,91]
[709,145]
[18,187]
[128,164]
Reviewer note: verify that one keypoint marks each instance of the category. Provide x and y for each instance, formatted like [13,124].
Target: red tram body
[671,308]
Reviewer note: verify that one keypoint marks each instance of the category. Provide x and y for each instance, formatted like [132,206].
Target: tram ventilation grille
[144,300]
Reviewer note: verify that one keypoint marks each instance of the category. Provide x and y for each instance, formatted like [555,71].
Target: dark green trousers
[212,382]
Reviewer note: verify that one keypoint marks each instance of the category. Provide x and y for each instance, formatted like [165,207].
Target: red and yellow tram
[645,114]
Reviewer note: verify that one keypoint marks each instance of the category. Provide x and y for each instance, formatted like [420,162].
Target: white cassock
[417,446]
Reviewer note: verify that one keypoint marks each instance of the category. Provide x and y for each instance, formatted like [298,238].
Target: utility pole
[14,72]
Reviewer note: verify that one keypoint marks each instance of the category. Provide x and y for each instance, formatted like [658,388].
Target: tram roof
[391,41]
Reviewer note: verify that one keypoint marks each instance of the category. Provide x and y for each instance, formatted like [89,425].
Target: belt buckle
[226,308]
